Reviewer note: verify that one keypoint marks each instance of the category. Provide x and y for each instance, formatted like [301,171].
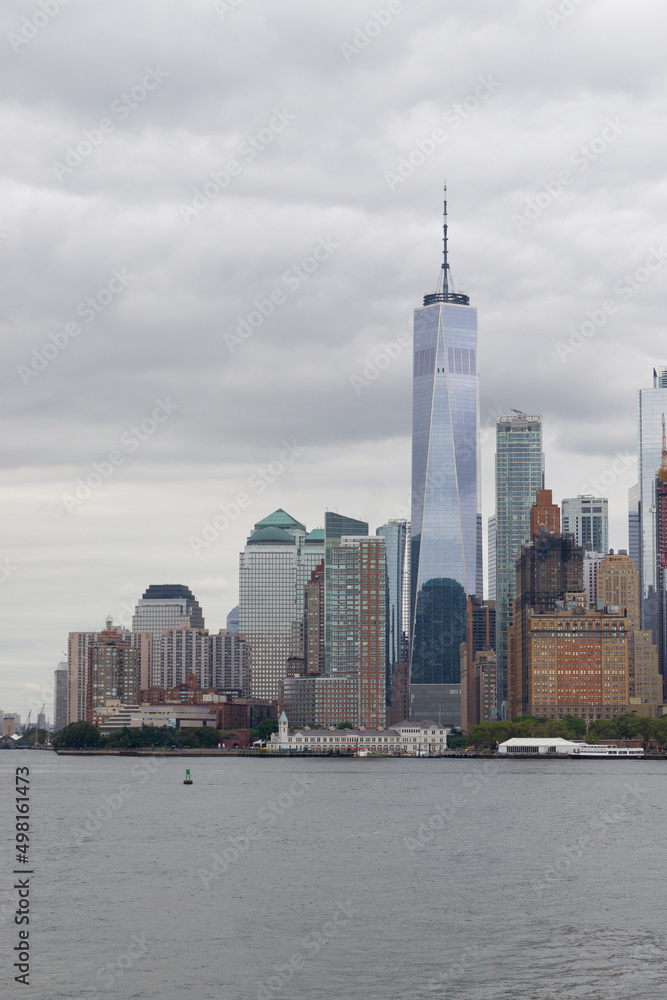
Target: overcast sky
[137,287]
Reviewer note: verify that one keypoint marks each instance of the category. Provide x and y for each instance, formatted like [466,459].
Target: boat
[601,750]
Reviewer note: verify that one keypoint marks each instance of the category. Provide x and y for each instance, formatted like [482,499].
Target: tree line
[487,735]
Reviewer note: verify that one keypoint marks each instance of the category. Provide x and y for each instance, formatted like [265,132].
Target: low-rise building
[538,744]
[414,738]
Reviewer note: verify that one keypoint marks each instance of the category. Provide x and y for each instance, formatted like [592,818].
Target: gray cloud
[324,175]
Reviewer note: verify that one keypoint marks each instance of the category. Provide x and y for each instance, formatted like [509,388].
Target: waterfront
[322,878]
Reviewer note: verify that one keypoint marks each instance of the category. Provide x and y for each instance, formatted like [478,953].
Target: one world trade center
[446,560]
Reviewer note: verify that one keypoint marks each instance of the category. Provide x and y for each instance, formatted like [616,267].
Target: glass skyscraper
[519,474]
[587,518]
[446,557]
[652,403]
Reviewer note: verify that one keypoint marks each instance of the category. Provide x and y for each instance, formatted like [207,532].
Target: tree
[208,736]
[264,730]
[575,725]
[77,735]
[345,725]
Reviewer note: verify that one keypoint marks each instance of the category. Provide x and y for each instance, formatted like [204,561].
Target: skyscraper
[164,606]
[60,697]
[587,518]
[394,534]
[279,558]
[519,475]
[446,548]
[113,673]
[652,403]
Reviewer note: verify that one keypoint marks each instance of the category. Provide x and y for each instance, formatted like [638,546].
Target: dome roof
[273,535]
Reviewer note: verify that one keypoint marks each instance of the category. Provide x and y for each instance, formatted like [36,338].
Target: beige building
[577,664]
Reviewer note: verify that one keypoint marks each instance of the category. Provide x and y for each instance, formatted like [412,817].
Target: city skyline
[203,387]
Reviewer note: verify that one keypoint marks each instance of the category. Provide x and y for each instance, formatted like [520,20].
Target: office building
[356,609]
[480,637]
[660,525]
[549,570]
[163,606]
[341,616]
[395,538]
[78,647]
[592,562]
[519,475]
[652,403]
[313,634]
[634,529]
[233,620]
[618,588]
[576,663]
[185,651]
[491,560]
[275,567]
[587,518]
[60,697]
[229,661]
[319,701]
[446,545]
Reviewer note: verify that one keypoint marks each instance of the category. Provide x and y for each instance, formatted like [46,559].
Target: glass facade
[519,474]
[587,518]
[164,606]
[652,404]
[446,556]
[274,569]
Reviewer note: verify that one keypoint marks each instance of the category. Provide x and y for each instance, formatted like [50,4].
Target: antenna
[445,262]
[442,292]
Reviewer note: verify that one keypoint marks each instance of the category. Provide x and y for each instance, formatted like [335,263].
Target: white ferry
[597,750]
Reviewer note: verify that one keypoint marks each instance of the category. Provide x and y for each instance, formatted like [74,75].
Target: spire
[445,262]
[445,283]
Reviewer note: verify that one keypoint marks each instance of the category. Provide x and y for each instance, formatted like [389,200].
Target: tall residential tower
[519,475]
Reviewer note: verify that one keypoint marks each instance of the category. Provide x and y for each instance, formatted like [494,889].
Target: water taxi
[600,750]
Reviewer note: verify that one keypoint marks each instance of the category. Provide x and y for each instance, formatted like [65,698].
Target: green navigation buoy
[188,779]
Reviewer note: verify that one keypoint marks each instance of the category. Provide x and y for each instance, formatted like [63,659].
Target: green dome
[272,535]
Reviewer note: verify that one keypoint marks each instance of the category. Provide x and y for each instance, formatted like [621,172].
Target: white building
[275,567]
[592,562]
[417,739]
[185,650]
[163,606]
[539,745]
[587,518]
